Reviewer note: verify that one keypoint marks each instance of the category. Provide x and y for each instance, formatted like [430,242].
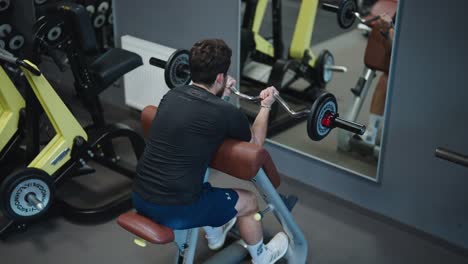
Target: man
[191,124]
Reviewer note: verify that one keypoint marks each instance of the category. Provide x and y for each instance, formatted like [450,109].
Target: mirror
[298,46]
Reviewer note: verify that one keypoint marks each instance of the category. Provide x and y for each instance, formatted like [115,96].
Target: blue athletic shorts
[215,207]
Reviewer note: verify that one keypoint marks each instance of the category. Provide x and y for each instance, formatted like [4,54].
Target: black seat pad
[112,65]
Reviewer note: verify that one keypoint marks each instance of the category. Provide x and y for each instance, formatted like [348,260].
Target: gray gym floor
[335,233]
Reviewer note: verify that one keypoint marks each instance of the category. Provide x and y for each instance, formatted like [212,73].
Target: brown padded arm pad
[145,228]
[243,160]
[236,158]
[378,51]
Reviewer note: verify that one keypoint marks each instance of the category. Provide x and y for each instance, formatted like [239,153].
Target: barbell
[322,117]
[347,13]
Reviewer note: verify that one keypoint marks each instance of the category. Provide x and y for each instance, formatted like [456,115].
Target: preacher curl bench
[239,159]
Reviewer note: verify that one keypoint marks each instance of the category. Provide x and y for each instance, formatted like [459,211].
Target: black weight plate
[16,186]
[324,76]
[5,30]
[4,5]
[99,19]
[346,13]
[51,30]
[16,42]
[325,103]
[174,77]
[103,6]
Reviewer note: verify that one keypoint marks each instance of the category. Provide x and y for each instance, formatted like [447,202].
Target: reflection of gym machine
[242,160]
[376,58]
[379,7]
[27,193]
[300,60]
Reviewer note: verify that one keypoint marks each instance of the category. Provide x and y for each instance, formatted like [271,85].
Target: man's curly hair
[208,58]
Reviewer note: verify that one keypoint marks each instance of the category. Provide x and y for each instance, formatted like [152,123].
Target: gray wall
[178,24]
[427,107]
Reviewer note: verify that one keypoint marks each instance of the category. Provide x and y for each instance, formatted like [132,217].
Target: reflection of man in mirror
[384,30]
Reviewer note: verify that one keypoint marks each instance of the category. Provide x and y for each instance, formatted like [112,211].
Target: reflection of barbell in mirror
[347,13]
[322,117]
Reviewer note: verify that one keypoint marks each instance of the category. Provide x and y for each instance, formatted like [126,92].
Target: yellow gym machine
[27,191]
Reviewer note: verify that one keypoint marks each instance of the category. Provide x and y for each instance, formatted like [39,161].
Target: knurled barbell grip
[330,7]
[157,62]
[349,126]
[278,99]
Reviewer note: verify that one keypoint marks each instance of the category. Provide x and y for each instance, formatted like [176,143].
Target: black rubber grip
[452,156]
[157,62]
[352,127]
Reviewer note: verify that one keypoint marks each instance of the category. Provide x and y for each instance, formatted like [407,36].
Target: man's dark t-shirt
[190,125]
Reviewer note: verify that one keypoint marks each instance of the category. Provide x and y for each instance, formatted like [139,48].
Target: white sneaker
[275,249]
[215,243]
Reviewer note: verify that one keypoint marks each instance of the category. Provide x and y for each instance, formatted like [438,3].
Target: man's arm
[260,125]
